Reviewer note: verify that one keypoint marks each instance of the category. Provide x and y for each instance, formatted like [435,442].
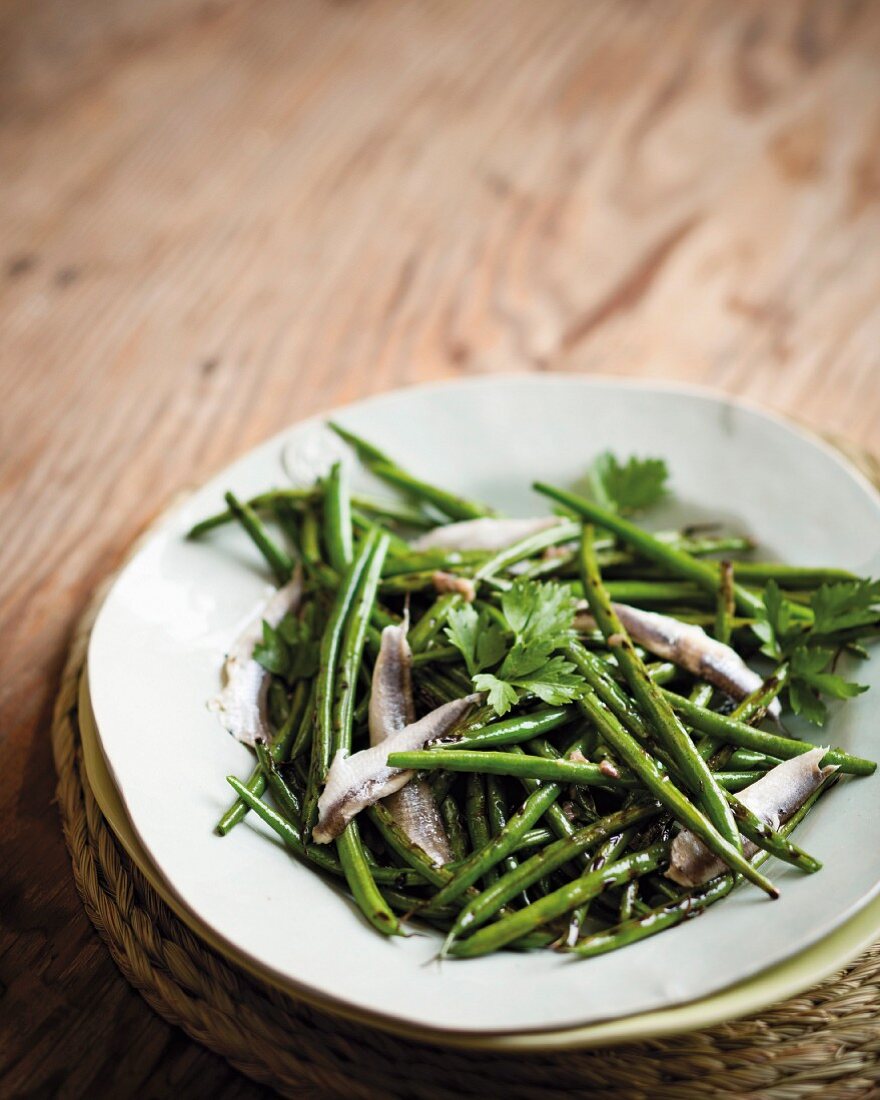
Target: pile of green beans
[559,818]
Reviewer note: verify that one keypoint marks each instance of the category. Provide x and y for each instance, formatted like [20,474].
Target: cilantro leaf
[290,649]
[272,652]
[537,621]
[629,487]
[553,682]
[846,605]
[805,701]
[501,696]
[478,637]
[538,612]
[810,680]
[290,629]
[523,658]
[777,627]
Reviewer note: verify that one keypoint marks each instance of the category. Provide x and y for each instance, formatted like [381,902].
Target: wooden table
[221,217]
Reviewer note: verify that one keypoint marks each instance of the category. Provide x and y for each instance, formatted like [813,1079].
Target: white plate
[157,647]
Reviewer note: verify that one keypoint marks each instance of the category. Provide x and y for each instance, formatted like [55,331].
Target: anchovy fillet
[357,781]
[391,708]
[483,534]
[690,647]
[241,705]
[774,798]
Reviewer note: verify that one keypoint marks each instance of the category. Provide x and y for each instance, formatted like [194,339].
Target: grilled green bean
[736,732]
[676,561]
[664,723]
[279,749]
[276,558]
[686,905]
[322,737]
[321,856]
[550,859]
[561,901]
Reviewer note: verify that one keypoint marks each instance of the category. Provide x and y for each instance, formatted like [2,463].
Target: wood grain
[220,217]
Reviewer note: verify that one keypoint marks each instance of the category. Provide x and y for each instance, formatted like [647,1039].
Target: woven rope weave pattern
[825,1041]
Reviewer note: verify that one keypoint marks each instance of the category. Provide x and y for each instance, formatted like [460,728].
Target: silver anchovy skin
[391,708]
[690,647]
[241,705]
[774,798]
[482,534]
[357,781]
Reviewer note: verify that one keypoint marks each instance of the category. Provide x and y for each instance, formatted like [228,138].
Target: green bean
[734,781]
[498,813]
[256,784]
[664,723]
[440,783]
[642,764]
[277,703]
[676,561]
[287,519]
[322,737]
[361,524]
[526,547]
[534,838]
[404,584]
[337,518]
[725,607]
[258,503]
[279,748]
[686,906]
[555,816]
[322,857]
[454,507]
[454,828]
[285,798]
[682,594]
[639,593]
[756,761]
[550,859]
[374,546]
[476,818]
[391,511]
[438,654]
[735,732]
[310,538]
[486,762]
[752,709]
[559,902]
[432,622]
[658,920]
[305,730]
[790,576]
[511,731]
[418,561]
[359,876]
[366,451]
[276,558]
[451,505]
[598,674]
[486,857]
[771,840]
[612,849]
[628,900]
[349,848]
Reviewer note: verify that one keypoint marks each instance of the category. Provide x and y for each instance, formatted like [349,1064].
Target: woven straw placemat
[825,1041]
